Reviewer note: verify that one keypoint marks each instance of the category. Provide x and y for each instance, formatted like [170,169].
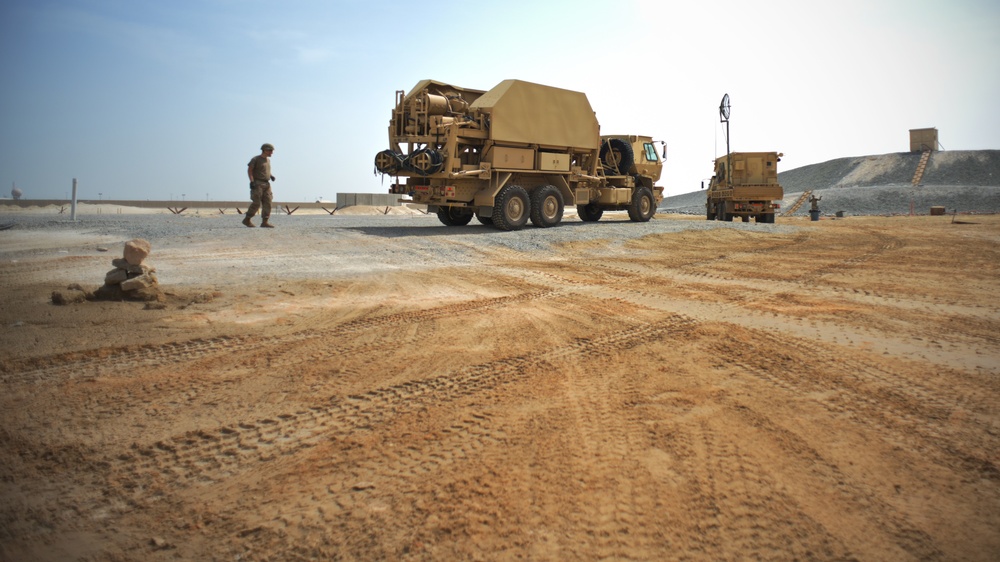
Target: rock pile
[131,279]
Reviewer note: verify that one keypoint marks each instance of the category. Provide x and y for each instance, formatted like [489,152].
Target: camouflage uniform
[260,187]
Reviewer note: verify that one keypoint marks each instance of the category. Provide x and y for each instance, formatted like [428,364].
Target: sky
[150,100]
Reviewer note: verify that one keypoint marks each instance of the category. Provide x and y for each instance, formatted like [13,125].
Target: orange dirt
[722,395]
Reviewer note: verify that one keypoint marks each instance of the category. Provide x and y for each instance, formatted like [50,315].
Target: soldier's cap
[267,146]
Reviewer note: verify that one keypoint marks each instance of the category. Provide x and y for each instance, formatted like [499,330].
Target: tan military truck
[517,152]
[745,185]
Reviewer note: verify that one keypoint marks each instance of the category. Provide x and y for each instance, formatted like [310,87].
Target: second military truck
[516,152]
[745,185]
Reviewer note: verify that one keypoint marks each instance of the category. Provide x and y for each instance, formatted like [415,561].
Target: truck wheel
[709,213]
[643,207]
[721,213]
[454,216]
[617,157]
[546,206]
[589,212]
[488,221]
[511,208]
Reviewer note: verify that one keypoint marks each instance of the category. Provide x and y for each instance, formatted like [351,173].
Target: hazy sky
[163,100]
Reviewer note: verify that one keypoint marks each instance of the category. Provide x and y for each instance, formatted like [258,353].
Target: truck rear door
[755,171]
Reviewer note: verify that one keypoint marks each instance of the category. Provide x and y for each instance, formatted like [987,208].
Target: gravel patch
[615,226]
[318,246]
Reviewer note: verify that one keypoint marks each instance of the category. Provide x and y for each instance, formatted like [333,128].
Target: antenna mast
[724,118]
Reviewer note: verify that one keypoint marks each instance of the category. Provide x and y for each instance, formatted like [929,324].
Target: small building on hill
[922,140]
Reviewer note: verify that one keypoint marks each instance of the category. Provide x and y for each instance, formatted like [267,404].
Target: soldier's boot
[266,224]
[248,222]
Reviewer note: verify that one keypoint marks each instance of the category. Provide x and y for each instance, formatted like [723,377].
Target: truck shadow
[470,229]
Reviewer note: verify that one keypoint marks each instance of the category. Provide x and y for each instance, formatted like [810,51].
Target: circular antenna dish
[724,108]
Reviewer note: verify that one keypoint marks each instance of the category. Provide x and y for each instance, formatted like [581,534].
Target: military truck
[745,185]
[516,152]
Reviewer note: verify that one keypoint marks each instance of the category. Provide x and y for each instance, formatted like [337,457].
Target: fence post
[72,208]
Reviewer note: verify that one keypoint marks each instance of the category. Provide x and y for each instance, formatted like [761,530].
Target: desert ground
[820,390]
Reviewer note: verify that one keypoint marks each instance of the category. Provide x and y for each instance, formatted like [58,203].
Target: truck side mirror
[664,152]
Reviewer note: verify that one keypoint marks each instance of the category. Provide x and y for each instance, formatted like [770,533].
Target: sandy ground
[827,393]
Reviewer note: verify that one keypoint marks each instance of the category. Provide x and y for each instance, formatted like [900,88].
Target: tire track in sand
[209,455]
[101,362]
[873,394]
[801,458]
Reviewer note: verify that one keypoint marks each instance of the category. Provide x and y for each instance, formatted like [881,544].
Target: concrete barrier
[374,199]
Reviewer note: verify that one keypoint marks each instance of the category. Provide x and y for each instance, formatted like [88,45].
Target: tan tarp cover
[523,112]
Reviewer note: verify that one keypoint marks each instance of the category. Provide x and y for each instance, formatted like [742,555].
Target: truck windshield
[651,152]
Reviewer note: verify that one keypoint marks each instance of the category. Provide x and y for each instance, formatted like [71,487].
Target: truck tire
[546,206]
[617,157]
[589,212]
[454,216]
[709,212]
[488,221]
[721,213]
[511,208]
[643,206]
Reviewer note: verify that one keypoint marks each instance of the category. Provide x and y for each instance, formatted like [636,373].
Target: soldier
[815,202]
[259,171]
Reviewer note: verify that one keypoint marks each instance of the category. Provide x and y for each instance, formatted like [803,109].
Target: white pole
[72,212]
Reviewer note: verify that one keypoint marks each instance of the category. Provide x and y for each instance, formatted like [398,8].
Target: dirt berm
[963,181]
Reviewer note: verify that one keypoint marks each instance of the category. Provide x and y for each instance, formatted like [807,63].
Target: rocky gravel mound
[966,181]
[960,167]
